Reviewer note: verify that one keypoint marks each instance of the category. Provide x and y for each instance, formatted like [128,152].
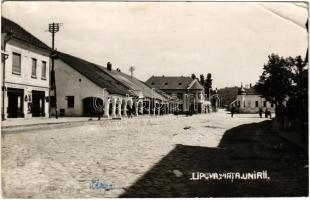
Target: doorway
[15,103]
[37,108]
[92,106]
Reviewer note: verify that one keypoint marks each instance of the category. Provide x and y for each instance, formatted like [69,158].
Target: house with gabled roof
[189,92]
[25,75]
[84,88]
[249,101]
[152,101]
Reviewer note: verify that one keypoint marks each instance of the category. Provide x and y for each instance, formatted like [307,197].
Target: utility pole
[53,28]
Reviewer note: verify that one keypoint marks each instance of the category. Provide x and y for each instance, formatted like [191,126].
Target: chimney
[109,66]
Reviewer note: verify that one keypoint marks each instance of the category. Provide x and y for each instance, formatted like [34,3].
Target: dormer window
[180,83]
[166,83]
[152,83]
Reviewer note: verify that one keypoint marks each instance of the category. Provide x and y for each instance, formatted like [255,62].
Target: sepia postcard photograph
[162,99]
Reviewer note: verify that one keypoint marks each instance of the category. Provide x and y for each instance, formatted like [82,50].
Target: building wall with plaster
[70,82]
[24,80]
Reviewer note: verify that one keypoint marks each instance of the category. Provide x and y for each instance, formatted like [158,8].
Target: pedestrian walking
[129,110]
[232,111]
[260,112]
[267,113]
[99,113]
[270,114]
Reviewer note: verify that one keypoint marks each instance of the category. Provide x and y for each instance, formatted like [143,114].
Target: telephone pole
[53,28]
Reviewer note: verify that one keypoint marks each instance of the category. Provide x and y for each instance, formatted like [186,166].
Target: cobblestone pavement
[60,161]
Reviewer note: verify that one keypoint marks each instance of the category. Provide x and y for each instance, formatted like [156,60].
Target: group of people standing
[267,113]
[260,112]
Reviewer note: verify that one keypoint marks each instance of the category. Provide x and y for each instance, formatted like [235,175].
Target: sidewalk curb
[9,128]
[34,125]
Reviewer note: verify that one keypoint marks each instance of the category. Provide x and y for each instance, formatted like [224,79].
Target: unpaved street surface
[140,156]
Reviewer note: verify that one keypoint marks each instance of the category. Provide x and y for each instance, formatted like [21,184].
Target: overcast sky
[230,40]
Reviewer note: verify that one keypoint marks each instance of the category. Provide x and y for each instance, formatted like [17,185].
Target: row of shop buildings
[83,88]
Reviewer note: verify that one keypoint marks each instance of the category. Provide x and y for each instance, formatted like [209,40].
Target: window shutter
[34,68]
[43,70]
[16,63]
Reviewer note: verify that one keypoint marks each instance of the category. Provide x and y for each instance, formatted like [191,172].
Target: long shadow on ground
[244,148]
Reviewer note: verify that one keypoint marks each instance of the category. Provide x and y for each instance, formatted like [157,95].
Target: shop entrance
[37,108]
[15,103]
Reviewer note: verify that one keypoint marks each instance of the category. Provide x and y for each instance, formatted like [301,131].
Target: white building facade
[77,95]
[248,101]
[83,90]
[87,89]
[25,81]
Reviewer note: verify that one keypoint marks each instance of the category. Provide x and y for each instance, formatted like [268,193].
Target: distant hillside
[228,94]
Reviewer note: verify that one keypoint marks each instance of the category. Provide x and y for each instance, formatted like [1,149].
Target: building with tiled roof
[95,74]
[82,84]
[249,101]
[174,83]
[83,88]
[25,77]
[136,86]
[19,33]
[188,91]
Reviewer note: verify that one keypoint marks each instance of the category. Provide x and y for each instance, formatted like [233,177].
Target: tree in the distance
[193,76]
[208,83]
[275,83]
[299,92]
[202,79]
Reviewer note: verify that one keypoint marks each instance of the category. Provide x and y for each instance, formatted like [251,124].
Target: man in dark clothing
[129,109]
[99,113]
[260,112]
[232,111]
[267,113]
